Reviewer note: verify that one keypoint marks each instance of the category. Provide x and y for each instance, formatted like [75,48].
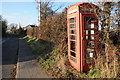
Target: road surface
[9,55]
[18,61]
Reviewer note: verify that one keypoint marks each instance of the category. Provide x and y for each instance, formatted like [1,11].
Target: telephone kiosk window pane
[72,31]
[88,61]
[72,37]
[90,19]
[72,25]
[90,44]
[90,37]
[92,32]
[92,25]
[89,25]
[72,59]
[72,20]
[72,45]
[73,54]
[89,55]
[89,50]
[89,31]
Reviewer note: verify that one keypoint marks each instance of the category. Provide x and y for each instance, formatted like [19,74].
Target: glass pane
[90,55]
[87,25]
[72,31]
[72,37]
[73,59]
[88,61]
[92,37]
[89,50]
[89,19]
[88,37]
[92,25]
[87,32]
[73,54]
[72,45]
[92,31]
[90,44]
[72,25]
[72,20]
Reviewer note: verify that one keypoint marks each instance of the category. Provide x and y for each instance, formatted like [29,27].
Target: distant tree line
[19,31]
[13,28]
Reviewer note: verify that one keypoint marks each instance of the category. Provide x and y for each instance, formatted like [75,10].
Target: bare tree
[107,16]
[45,9]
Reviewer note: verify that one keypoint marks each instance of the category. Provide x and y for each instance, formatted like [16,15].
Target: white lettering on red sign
[87,9]
[72,11]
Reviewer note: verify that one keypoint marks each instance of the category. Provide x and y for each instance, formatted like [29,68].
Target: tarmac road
[9,55]
[18,61]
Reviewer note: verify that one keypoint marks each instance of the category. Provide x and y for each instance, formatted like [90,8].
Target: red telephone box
[82,25]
